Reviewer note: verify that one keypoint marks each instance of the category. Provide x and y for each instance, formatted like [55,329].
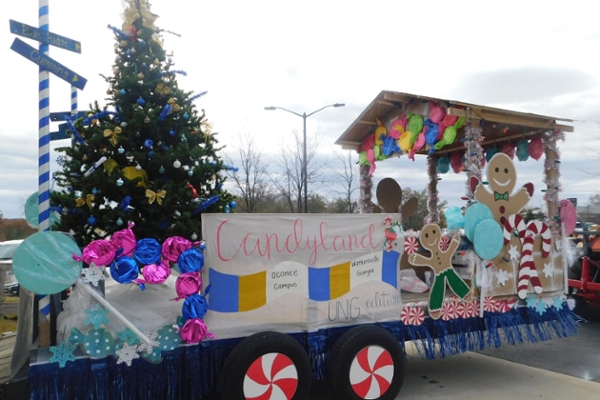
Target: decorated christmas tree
[148,157]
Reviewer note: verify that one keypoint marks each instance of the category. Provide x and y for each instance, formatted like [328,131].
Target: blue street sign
[46,37]
[61,134]
[53,66]
[62,116]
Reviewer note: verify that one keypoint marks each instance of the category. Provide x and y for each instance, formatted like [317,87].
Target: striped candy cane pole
[512,222]
[73,102]
[527,271]
[44,145]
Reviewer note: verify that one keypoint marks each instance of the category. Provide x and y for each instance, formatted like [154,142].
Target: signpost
[45,37]
[49,64]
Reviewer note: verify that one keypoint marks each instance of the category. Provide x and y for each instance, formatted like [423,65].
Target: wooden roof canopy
[498,125]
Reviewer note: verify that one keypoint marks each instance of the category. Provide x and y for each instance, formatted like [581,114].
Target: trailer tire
[367,362]
[266,363]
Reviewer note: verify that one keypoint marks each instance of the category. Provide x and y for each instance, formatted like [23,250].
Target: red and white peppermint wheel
[506,305]
[462,310]
[371,372]
[473,308]
[444,243]
[411,245]
[449,310]
[490,304]
[273,376]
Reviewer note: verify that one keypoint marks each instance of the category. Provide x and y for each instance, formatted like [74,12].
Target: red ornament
[194,192]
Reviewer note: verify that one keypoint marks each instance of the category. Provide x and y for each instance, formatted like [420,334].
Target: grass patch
[7,324]
[11,299]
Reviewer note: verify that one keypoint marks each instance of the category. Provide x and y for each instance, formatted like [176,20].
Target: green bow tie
[500,196]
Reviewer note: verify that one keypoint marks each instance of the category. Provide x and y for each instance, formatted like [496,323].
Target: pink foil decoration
[99,252]
[156,274]
[124,239]
[508,149]
[194,331]
[456,162]
[188,284]
[536,148]
[174,246]
[437,113]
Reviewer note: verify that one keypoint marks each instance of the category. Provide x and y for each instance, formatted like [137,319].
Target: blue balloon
[489,239]
[454,218]
[390,146]
[191,260]
[473,216]
[194,306]
[431,133]
[124,269]
[443,164]
[148,251]
[32,211]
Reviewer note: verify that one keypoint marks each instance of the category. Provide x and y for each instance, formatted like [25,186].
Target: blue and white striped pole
[44,144]
[73,102]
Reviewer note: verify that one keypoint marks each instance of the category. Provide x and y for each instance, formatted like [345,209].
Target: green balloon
[44,262]
[32,212]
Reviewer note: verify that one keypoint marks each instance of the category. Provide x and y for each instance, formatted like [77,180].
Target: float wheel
[266,366]
[367,362]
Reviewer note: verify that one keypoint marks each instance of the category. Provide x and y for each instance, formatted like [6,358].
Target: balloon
[362,158]
[568,216]
[156,273]
[44,263]
[125,240]
[431,134]
[380,133]
[508,149]
[191,260]
[379,156]
[397,128]
[456,162]
[405,141]
[488,239]
[99,252]
[436,113]
[194,306]
[523,150]
[124,270]
[443,164]
[188,284]
[536,148]
[175,245]
[389,146]
[32,211]
[415,123]
[473,216]
[367,143]
[418,145]
[148,251]
[490,153]
[454,218]
[194,331]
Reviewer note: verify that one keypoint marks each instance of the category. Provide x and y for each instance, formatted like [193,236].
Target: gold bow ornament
[174,106]
[113,134]
[163,89]
[89,199]
[158,196]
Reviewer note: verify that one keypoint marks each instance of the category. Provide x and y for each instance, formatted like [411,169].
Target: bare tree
[290,160]
[250,175]
[346,177]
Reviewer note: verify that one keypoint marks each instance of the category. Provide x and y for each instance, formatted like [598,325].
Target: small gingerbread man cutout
[441,263]
[502,178]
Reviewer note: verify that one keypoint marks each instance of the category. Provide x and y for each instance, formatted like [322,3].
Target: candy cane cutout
[512,222]
[527,271]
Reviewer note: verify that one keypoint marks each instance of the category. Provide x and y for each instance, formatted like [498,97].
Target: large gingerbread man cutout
[441,263]
[501,178]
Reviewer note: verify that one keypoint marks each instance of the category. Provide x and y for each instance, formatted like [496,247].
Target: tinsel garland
[553,186]
[474,155]
[432,192]
[366,186]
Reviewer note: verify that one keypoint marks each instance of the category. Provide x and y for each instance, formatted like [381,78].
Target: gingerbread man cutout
[502,178]
[441,263]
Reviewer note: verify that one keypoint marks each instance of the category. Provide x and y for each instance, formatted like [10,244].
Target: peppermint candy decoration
[449,310]
[271,376]
[473,308]
[462,310]
[506,305]
[490,304]
[411,245]
[412,315]
[371,372]
[444,243]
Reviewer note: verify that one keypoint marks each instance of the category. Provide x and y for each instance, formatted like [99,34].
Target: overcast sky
[534,56]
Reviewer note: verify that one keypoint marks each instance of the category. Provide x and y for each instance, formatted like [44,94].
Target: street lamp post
[304,116]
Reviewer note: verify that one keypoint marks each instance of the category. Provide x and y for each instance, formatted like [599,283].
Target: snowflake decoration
[531,300]
[148,348]
[97,316]
[548,270]
[93,275]
[514,253]
[558,303]
[502,277]
[128,337]
[540,306]
[127,354]
[62,353]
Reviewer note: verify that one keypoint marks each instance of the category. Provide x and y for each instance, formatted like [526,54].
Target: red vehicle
[584,274]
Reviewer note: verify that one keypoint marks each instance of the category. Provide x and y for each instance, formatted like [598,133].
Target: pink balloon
[367,143]
[188,284]
[508,149]
[456,162]
[418,145]
[194,331]
[536,148]
[124,239]
[437,113]
[99,252]
[174,246]
[156,274]
[568,216]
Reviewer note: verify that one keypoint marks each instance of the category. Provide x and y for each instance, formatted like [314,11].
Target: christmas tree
[148,157]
